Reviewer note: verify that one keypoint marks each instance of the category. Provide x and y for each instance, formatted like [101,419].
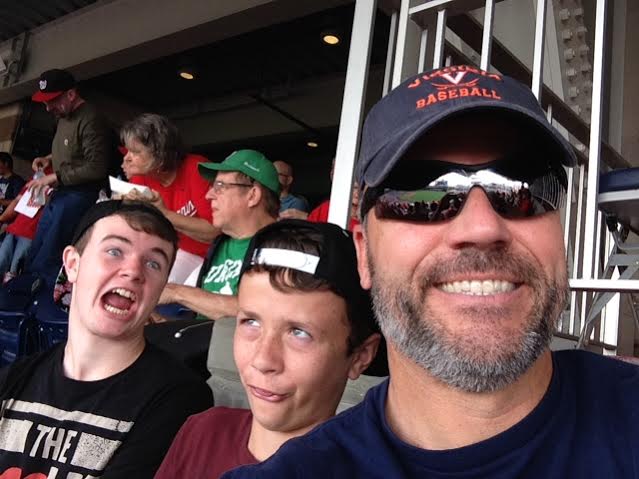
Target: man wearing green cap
[244,198]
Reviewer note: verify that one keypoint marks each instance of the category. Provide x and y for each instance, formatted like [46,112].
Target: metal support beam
[352,111]
[489,15]
[538,52]
[440,39]
[390,53]
[595,140]
[576,250]
[423,44]
[402,32]
[621,286]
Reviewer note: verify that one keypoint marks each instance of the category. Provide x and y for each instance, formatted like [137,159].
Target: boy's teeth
[114,310]
[124,293]
[476,287]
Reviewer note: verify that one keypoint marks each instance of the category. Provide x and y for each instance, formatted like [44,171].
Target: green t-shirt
[224,274]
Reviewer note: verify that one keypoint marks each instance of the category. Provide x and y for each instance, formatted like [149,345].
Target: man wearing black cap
[462,247]
[105,403]
[81,154]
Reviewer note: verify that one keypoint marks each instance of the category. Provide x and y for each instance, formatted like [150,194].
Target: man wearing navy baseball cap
[461,244]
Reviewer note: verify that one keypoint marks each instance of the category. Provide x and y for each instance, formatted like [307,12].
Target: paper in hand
[124,187]
[27,206]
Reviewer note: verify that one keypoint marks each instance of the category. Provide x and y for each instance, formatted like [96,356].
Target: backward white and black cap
[337,263]
[428,99]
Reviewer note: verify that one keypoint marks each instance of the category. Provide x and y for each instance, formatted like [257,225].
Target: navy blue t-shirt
[10,188]
[586,426]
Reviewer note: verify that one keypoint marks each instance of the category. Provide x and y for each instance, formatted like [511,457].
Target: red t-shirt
[22,225]
[209,444]
[320,215]
[185,196]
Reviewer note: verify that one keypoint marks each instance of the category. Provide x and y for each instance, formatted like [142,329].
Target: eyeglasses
[221,186]
[514,191]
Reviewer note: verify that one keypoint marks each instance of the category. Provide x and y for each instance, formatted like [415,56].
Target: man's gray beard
[408,324]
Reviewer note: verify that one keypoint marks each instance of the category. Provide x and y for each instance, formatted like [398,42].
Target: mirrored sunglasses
[513,192]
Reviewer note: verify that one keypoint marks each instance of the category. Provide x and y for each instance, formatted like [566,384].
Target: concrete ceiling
[18,16]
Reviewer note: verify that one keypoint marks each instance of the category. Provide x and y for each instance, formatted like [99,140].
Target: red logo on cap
[454,82]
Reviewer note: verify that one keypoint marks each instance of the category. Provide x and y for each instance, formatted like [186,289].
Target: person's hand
[40,163]
[293,213]
[154,198]
[157,201]
[44,183]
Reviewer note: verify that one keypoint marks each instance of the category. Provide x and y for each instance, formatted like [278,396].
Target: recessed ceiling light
[312,144]
[330,38]
[187,73]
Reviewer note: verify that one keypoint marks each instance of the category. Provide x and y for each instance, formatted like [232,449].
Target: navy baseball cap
[428,99]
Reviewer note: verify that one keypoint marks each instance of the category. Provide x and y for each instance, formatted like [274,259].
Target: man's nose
[478,224]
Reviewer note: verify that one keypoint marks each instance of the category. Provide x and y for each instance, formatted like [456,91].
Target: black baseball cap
[107,208]
[337,264]
[425,100]
[52,84]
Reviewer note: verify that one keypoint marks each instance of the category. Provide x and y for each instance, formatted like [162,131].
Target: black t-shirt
[118,427]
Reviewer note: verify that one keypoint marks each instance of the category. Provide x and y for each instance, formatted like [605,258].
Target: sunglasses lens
[419,205]
[443,198]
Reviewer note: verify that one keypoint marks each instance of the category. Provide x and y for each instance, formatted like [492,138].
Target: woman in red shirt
[156,158]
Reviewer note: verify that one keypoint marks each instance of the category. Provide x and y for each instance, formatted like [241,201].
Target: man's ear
[361,247]
[254,196]
[363,356]
[71,262]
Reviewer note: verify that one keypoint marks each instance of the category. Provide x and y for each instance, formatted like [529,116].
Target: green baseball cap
[250,162]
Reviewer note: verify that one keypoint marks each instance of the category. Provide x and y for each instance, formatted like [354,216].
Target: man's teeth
[124,293]
[479,288]
[114,310]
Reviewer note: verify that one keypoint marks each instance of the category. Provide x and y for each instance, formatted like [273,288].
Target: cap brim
[400,146]
[42,96]
[208,171]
